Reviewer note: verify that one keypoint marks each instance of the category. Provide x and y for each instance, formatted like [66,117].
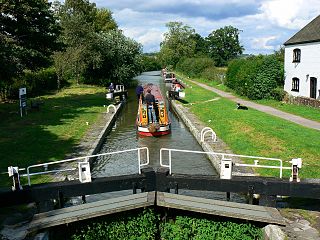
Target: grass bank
[299,110]
[50,133]
[256,133]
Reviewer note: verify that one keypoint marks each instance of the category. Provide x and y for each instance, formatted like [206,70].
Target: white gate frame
[84,159]
[223,156]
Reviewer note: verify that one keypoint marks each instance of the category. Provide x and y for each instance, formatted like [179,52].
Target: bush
[37,83]
[185,227]
[141,226]
[195,66]
[214,74]
[278,93]
[150,63]
[255,77]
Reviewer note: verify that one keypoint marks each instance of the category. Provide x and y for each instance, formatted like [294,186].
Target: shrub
[185,227]
[194,66]
[255,77]
[278,93]
[141,226]
[267,78]
[150,63]
[214,74]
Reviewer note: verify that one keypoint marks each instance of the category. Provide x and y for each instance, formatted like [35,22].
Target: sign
[23,101]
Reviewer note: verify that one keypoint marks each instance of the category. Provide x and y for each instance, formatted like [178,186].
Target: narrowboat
[176,90]
[169,77]
[152,118]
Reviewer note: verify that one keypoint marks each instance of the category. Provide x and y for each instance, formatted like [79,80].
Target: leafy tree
[280,54]
[103,21]
[178,43]
[201,47]
[224,45]
[28,33]
[122,57]
[94,48]
[150,62]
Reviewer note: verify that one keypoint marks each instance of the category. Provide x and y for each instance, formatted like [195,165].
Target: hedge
[256,77]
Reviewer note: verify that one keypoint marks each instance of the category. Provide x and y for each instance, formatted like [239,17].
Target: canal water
[123,136]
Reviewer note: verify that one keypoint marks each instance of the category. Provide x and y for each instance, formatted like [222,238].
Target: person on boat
[151,103]
[139,92]
[111,88]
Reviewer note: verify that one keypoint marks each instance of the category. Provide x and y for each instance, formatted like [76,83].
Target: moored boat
[152,118]
[176,90]
[169,77]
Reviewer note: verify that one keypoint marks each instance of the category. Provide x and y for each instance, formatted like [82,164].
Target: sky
[265,24]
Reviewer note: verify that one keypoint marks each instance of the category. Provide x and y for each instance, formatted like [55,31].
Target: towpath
[269,110]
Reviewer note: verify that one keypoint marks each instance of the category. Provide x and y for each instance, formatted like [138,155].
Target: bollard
[226,168]
[14,173]
[296,165]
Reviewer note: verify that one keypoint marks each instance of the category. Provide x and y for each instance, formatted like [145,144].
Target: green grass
[300,110]
[256,133]
[216,83]
[51,133]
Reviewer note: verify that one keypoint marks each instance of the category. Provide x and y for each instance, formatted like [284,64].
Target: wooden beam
[91,210]
[220,208]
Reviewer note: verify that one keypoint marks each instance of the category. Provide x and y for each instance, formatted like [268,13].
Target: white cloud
[264,24]
[262,43]
[292,14]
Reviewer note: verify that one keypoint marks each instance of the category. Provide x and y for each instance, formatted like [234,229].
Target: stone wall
[304,101]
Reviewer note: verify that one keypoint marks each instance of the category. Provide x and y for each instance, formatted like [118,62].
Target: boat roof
[155,91]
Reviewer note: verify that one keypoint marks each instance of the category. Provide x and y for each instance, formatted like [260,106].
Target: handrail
[86,159]
[208,130]
[114,108]
[223,156]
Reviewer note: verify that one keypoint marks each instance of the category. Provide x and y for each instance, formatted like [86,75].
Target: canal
[123,136]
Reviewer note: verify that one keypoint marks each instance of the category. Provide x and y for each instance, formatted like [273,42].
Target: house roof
[310,33]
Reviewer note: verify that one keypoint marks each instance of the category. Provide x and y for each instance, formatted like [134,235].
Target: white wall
[309,65]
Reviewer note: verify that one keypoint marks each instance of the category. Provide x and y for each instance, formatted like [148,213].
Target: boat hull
[163,130]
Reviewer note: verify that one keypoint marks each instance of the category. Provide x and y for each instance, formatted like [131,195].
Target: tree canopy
[28,33]
[95,50]
[224,45]
[181,41]
[178,43]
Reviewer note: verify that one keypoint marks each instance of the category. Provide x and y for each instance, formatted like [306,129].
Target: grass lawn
[256,133]
[303,111]
[51,133]
[216,84]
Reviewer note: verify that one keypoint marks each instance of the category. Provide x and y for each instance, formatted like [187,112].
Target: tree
[94,49]
[201,47]
[81,23]
[224,45]
[122,57]
[28,33]
[177,43]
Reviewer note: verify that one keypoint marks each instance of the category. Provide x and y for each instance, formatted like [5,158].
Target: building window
[296,55]
[295,84]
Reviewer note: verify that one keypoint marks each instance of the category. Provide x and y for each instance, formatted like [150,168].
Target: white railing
[113,106]
[222,156]
[206,130]
[84,159]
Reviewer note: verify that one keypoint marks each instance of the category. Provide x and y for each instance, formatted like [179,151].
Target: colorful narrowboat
[152,118]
